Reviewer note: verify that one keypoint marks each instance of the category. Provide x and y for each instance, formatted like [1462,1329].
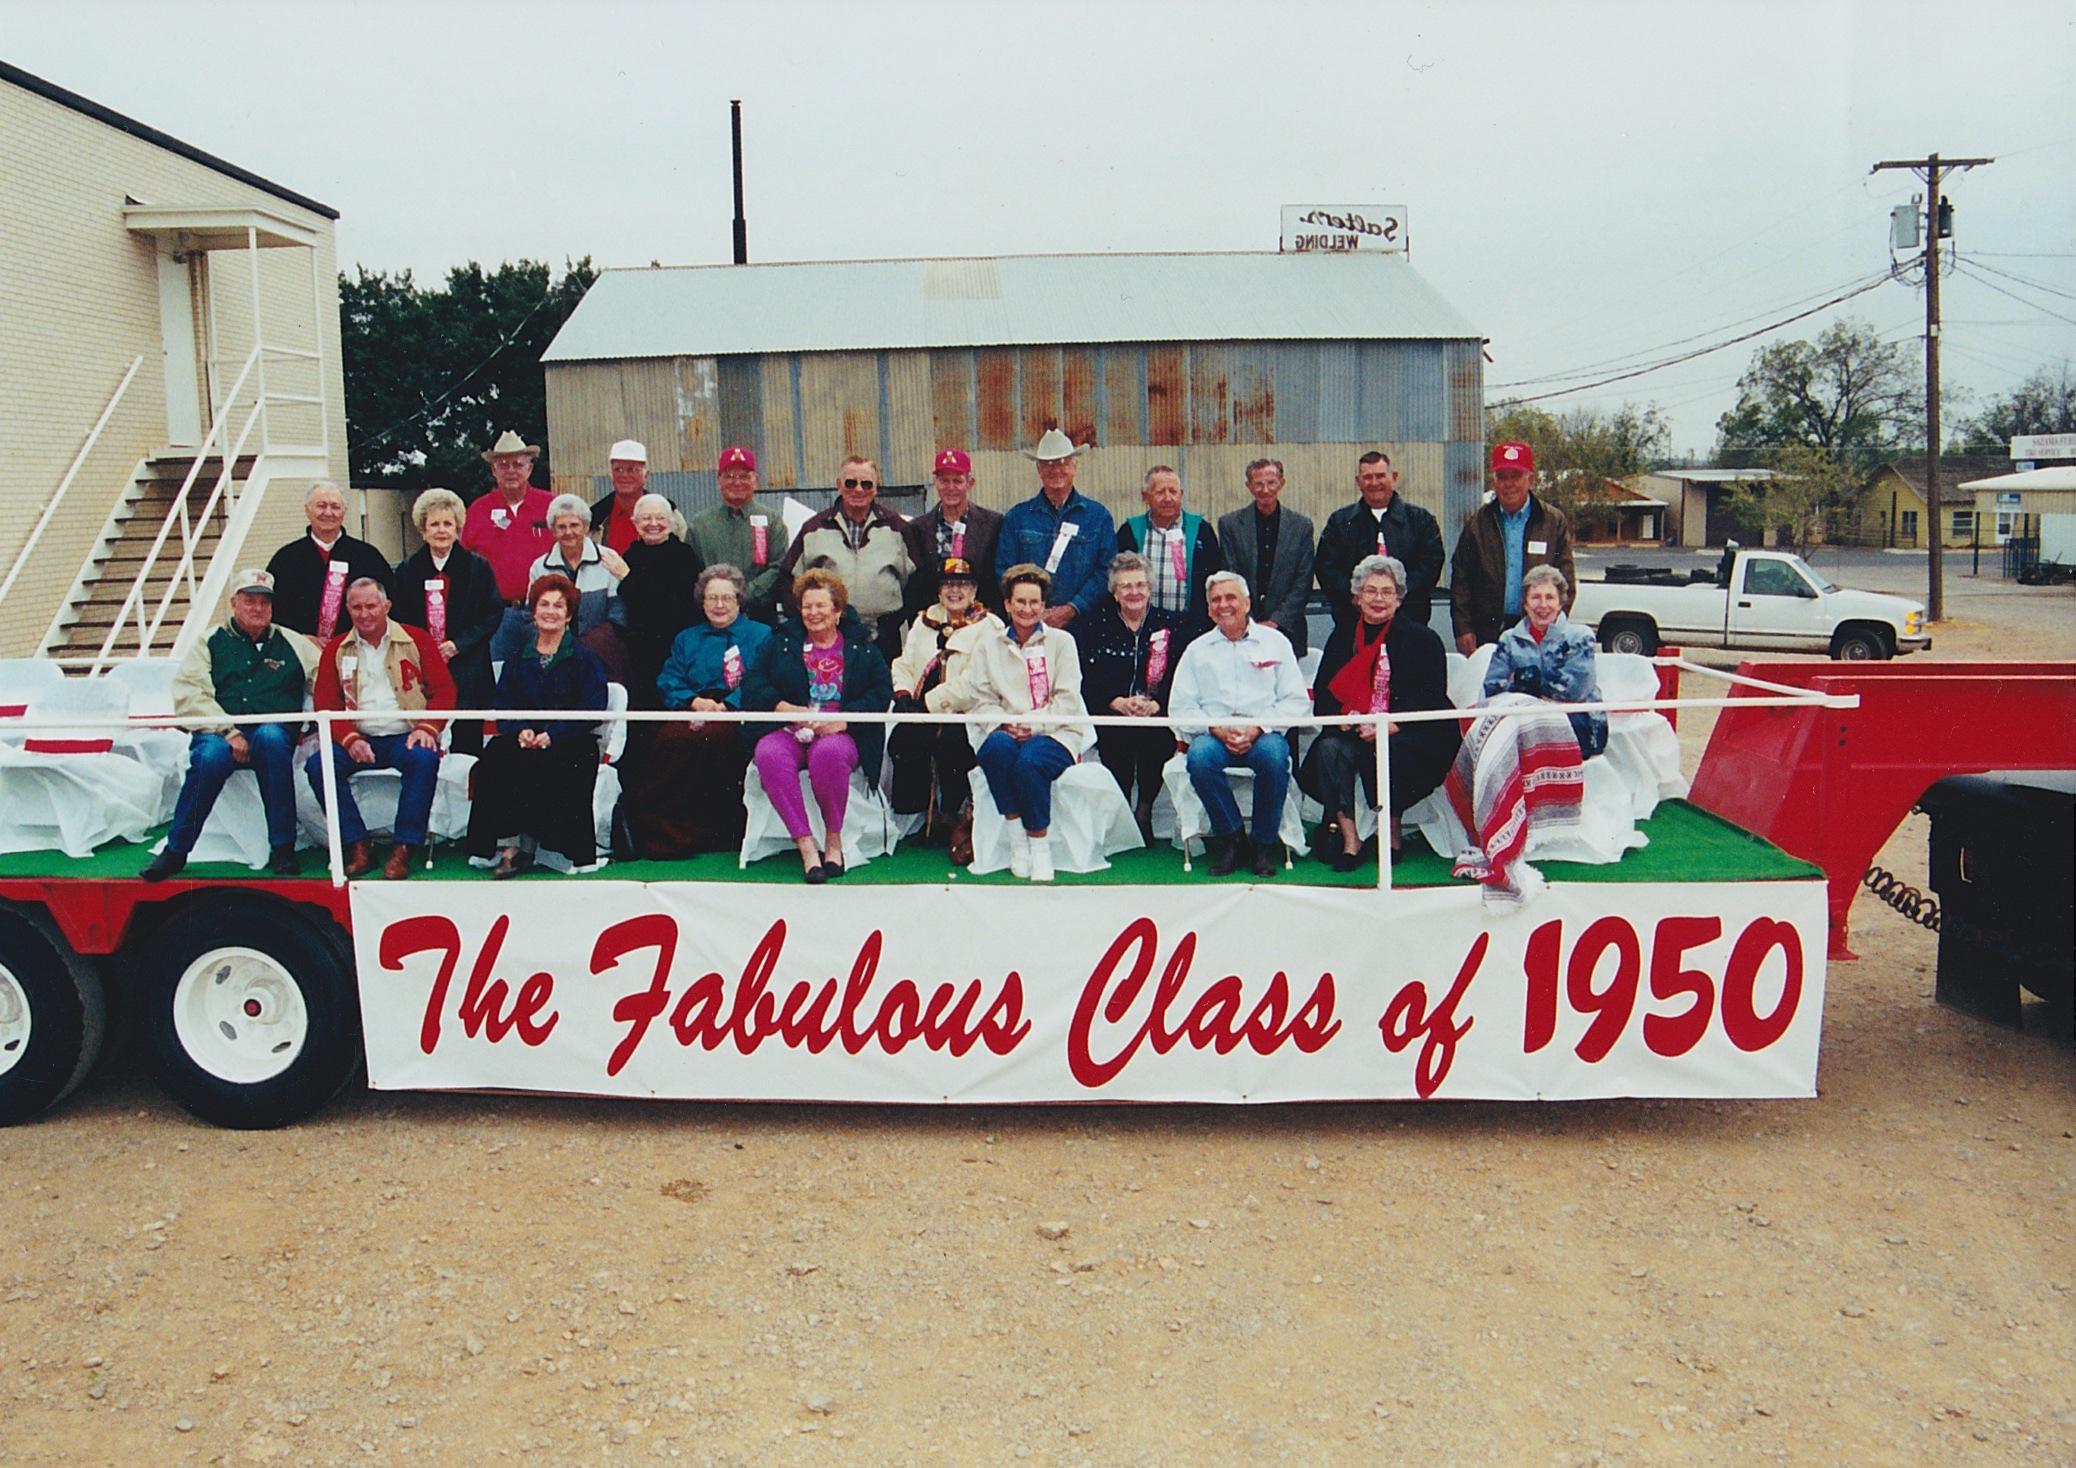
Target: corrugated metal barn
[1200,361]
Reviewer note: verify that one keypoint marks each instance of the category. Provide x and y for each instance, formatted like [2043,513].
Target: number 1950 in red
[1606,968]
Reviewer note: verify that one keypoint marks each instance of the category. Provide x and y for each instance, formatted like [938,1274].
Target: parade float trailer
[1693,967]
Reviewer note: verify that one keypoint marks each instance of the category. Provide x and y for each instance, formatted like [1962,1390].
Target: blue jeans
[512,635]
[1269,759]
[209,764]
[1020,776]
[419,767]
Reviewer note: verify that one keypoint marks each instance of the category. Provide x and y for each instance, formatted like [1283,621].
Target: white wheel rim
[15,1021]
[239,1015]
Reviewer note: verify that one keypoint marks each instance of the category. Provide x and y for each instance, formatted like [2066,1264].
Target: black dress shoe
[1229,852]
[282,861]
[1268,855]
[831,870]
[817,874]
[165,864]
[1346,861]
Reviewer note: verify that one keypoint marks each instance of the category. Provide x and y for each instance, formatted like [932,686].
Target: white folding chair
[1193,822]
[1090,822]
[868,826]
[69,788]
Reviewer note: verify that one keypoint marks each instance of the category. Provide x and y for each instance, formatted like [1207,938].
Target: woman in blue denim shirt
[1544,656]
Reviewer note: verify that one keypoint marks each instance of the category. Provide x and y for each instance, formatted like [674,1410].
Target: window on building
[1906,527]
[1963,524]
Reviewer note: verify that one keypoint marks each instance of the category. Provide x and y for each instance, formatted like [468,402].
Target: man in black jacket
[1382,523]
[955,526]
[311,573]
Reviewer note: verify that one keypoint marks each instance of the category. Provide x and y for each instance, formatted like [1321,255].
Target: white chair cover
[75,802]
[25,683]
[236,830]
[868,826]
[376,792]
[1090,823]
[1193,823]
[147,684]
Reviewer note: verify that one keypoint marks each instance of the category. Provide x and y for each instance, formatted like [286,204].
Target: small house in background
[1613,513]
[1203,362]
[164,314]
[1891,510]
[1698,502]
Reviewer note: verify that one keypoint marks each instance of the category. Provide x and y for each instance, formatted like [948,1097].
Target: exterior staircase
[117,564]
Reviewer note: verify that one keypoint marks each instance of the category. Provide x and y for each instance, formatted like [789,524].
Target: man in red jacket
[394,676]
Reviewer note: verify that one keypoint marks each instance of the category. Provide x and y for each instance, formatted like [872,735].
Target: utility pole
[1938,222]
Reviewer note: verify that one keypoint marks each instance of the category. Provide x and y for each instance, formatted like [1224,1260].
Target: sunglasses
[861,484]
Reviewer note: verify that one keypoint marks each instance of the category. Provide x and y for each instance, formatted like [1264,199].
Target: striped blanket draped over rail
[1512,773]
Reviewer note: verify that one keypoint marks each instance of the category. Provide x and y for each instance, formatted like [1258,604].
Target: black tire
[1629,634]
[275,1045]
[53,1015]
[1860,643]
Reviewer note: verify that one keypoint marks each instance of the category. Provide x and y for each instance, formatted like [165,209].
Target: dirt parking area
[1881,1275]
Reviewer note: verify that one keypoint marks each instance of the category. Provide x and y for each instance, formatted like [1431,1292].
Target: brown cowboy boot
[360,857]
[398,867]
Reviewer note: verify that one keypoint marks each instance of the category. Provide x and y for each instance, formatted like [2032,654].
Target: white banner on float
[967,994]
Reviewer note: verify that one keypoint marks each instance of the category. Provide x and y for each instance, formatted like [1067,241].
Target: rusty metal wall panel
[1296,369]
[1124,395]
[1251,376]
[777,445]
[1038,372]
[998,408]
[1464,486]
[741,410]
[839,401]
[1340,390]
[953,398]
[1167,394]
[1078,394]
[910,421]
[1210,393]
[698,436]
[1465,364]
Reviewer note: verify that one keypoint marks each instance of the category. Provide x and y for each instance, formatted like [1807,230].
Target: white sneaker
[1019,852]
[1041,861]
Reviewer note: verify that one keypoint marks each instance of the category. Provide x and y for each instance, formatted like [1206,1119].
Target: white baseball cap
[628,448]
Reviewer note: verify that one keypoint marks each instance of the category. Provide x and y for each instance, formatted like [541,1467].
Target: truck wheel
[1860,644]
[52,1015]
[248,1012]
[1628,634]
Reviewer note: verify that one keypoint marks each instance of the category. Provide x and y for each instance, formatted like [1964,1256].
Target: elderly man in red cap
[508,527]
[742,532]
[1509,533]
[953,527]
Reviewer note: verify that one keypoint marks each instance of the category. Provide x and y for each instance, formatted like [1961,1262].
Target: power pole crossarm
[1933,170]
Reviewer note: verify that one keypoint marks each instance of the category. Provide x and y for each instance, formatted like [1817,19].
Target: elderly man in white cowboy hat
[508,527]
[1061,529]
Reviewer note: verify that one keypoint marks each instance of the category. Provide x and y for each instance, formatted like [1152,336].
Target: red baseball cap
[952,461]
[735,456]
[1513,458]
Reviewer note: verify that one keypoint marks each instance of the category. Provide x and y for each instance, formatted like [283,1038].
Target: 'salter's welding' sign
[1341,230]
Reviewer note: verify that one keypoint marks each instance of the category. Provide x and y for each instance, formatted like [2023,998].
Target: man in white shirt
[1232,688]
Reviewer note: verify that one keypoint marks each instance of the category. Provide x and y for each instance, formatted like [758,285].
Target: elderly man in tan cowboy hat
[508,527]
[1061,529]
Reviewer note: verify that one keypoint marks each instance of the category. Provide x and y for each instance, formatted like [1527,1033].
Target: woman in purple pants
[817,668]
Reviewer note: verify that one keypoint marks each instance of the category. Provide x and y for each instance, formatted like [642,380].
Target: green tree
[1848,394]
[2043,403]
[1807,486]
[434,375]
[1578,452]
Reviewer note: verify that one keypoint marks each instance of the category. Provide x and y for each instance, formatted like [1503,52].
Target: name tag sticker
[1538,547]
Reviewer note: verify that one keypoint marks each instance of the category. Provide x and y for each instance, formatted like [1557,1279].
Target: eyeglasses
[861,484]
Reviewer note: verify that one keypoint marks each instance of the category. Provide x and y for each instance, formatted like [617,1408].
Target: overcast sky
[1588,183]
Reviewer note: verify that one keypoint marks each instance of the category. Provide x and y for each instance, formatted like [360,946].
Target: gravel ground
[1881,1275]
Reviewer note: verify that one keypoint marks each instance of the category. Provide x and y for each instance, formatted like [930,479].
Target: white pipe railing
[1777,696]
[50,510]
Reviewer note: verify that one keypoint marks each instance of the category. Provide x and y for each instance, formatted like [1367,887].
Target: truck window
[1774,578]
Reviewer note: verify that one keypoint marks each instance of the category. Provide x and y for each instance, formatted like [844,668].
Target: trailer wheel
[248,1012]
[1859,643]
[1629,634]
[52,1015]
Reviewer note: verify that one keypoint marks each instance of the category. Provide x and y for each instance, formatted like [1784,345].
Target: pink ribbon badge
[731,666]
[334,598]
[1178,556]
[436,608]
[1156,657]
[760,539]
[959,538]
[1036,670]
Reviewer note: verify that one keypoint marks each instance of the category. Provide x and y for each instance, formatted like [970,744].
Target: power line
[1985,281]
[455,386]
[1705,351]
[2022,280]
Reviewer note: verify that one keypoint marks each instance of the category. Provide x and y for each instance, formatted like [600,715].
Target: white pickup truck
[1768,600]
